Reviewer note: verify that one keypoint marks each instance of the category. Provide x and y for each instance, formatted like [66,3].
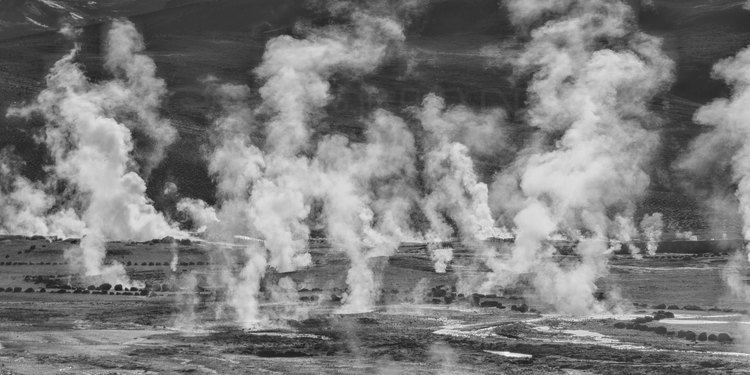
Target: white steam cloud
[25,207]
[593,77]
[653,228]
[266,189]
[454,188]
[728,145]
[93,151]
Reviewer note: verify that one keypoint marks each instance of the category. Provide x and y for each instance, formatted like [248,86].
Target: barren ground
[421,325]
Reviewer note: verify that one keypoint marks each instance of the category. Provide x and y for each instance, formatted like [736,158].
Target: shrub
[703,336]
[17,289]
[91,287]
[42,290]
[118,288]
[712,337]
[724,338]
[105,287]
[133,289]
[659,315]
[29,290]
[129,263]
[151,263]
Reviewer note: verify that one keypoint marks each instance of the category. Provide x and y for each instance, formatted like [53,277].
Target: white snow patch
[578,319]
[647,268]
[509,354]
[37,23]
[291,335]
[577,336]
[53,4]
[700,321]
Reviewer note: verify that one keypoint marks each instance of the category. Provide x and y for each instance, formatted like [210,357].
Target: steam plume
[92,151]
[652,226]
[592,78]
[347,172]
[454,188]
[266,188]
[25,207]
[726,145]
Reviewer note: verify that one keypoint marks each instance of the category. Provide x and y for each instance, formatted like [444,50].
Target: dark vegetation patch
[35,315]
[146,314]
[241,342]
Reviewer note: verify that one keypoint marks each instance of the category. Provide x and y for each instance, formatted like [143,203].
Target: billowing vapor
[93,151]
[686,235]
[592,77]
[201,213]
[355,224]
[623,235]
[25,207]
[456,202]
[652,227]
[269,173]
[727,144]
[136,93]
[454,189]
[441,257]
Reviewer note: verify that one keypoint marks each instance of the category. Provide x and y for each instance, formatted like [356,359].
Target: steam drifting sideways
[93,150]
[727,145]
[592,77]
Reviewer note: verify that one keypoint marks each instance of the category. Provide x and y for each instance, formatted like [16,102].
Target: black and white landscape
[388,187]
